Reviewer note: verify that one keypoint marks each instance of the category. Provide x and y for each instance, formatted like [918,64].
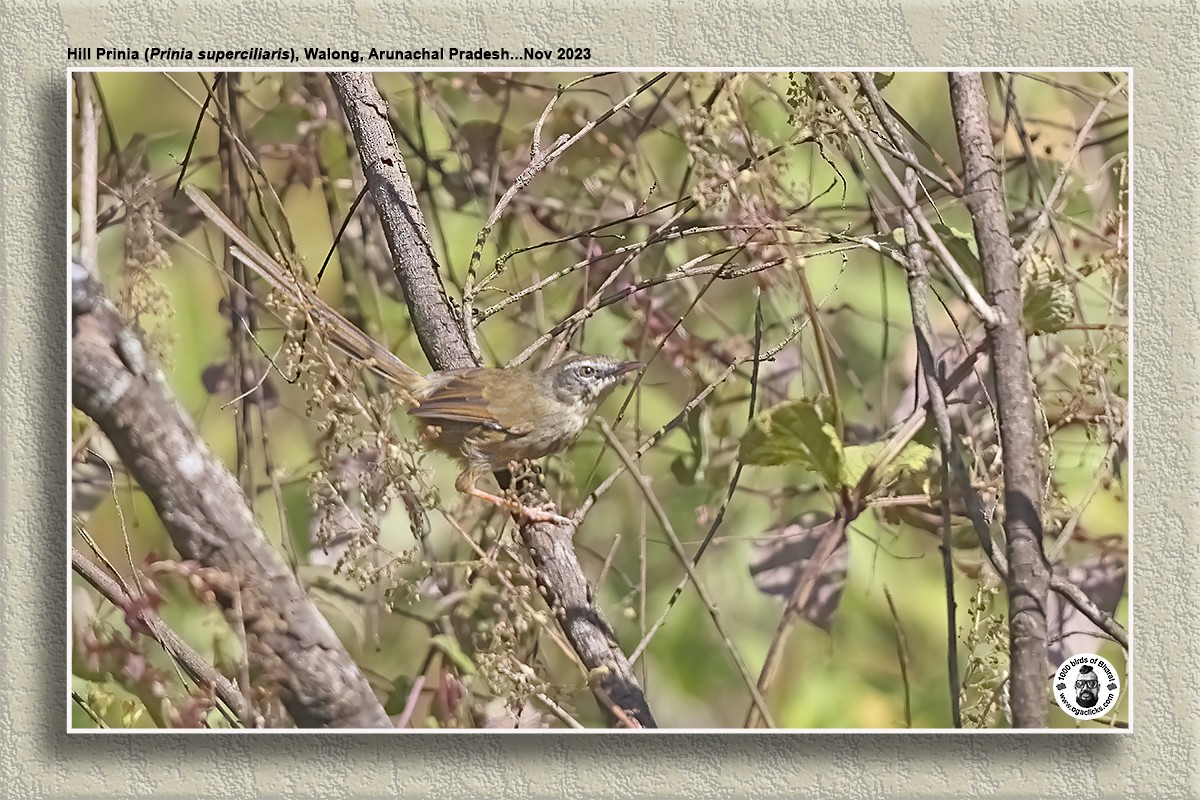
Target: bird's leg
[466,484]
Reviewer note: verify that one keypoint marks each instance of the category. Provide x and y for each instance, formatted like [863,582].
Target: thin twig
[800,597]
[1043,219]
[918,292]
[192,662]
[664,522]
[901,657]
[538,162]
[733,484]
[972,294]
[117,384]
[799,324]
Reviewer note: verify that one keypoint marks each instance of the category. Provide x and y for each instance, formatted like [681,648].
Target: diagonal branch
[204,511]
[413,259]
[560,576]
[976,301]
[192,662]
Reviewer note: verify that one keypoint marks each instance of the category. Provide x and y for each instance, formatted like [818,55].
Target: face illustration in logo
[1087,687]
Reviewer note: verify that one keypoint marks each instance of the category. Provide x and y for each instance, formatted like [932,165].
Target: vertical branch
[89,166]
[240,309]
[918,294]
[1028,572]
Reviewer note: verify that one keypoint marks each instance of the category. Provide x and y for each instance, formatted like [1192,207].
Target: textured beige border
[1158,760]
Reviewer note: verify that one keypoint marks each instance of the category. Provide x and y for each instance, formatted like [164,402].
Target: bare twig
[752,407]
[539,160]
[192,662]
[901,657]
[798,325]
[689,568]
[905,433]
[834,534]
[918,295]
[1043,219]
[1102,471]
[970,292]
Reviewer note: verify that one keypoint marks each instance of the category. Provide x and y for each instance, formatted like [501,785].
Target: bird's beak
[626,367]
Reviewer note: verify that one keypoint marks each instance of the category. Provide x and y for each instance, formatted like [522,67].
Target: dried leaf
[1102,579]
[783,558]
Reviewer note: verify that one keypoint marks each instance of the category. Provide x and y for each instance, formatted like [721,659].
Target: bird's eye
[588,370]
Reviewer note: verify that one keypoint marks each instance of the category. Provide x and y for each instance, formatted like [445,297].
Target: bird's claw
[545,514]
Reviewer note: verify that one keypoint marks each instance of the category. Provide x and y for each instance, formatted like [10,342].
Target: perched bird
[484,417]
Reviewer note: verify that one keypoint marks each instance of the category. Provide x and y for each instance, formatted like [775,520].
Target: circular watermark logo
[1086,686]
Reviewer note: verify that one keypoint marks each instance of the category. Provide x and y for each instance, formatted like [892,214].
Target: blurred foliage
[716,197]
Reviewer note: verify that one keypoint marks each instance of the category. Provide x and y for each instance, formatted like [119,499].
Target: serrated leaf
[1048,306]
[912,458]
[882,79]
[795,433]
[856,459]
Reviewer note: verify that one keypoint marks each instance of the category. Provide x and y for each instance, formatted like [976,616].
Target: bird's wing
[458,398]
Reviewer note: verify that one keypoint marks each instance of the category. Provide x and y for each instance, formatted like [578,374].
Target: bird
[486,418]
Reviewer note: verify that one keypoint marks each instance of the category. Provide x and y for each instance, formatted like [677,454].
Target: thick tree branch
[413,259]
[560,577]
[1028,572]
[115,382]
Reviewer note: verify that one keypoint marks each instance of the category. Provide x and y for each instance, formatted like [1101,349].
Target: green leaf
[1049,306]
[857,459]
[882,79]
[452,651]
[912,458]
[961,245]
[795,433]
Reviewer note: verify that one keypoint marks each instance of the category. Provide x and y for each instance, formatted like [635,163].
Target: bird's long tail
[331,324]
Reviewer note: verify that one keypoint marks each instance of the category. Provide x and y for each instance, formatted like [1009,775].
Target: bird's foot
[544,514]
